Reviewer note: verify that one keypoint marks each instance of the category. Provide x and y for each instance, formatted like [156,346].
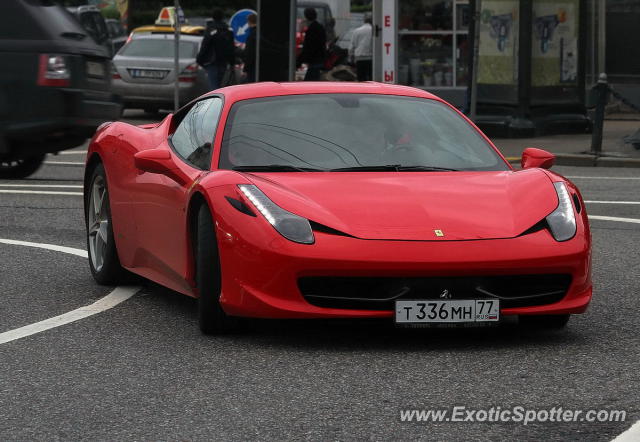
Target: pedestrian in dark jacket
[217,52]
[313,47]
[249,56]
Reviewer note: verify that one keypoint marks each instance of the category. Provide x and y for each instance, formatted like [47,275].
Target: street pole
[474,65]
[176,56]
[601,90]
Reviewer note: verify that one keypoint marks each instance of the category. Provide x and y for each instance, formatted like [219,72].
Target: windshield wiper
[393,168]
[426,169]
[382,168]
[275,168]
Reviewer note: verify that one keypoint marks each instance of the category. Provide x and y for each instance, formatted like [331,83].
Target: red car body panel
[501,204]
[387,221]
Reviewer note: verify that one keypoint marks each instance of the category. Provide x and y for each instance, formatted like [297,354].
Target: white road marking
[40,192]
[73,152]
[65,163]
[605,177]
[117,296]
[613,202]
[63,249]
[615,218]
[631,435]
[49,186]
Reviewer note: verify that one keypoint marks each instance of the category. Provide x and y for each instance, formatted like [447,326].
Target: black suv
[55,85]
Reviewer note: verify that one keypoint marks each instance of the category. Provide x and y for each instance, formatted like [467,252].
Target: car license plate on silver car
[148,73]
[447,311]
[95,69]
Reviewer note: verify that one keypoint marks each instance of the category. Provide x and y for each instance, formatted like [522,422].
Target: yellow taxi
[164,25]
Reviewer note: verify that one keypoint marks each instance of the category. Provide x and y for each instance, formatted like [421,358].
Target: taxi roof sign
[167,16]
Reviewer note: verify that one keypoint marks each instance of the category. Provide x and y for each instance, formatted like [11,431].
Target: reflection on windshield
[352,132]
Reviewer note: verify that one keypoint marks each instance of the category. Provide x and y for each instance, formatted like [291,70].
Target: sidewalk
[571,148]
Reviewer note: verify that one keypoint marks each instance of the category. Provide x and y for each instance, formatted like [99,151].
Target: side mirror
[154,161]
[159,161]
[532,157]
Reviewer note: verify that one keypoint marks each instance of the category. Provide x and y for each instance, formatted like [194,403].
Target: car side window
[193,138]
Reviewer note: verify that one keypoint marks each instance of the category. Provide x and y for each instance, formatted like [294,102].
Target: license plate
[147,73]
[428,311]
[95,69]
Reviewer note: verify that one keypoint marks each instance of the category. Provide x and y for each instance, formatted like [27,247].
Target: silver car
[143,72]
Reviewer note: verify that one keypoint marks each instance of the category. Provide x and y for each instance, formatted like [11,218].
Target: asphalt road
[143,371]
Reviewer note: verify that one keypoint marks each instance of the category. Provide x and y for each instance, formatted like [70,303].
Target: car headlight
[291,226]
[562,221]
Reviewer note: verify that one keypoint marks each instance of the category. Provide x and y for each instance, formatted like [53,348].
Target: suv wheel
[20,168]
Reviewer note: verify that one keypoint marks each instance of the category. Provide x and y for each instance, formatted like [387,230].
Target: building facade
[432,43]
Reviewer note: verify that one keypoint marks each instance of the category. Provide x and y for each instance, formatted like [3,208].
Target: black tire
[22,168]
[103,262]
[211,318]
[544,322]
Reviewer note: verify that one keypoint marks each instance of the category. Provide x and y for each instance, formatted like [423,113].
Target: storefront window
[426,60]
[462,60]
[426,15]
[433,43]
[463,16]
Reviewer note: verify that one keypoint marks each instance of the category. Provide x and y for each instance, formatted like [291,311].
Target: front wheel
[20,168]
[211,317]
[103,256]
[544,322]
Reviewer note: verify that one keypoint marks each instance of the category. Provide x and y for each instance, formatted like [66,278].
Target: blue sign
[240,26]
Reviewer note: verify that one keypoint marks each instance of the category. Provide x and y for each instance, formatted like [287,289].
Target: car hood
[415,205]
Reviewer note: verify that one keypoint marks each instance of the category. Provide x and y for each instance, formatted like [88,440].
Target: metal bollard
[601,91]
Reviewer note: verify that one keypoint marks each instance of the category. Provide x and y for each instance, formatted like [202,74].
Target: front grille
[380,293]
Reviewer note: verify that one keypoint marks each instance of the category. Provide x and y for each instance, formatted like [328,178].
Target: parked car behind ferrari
[144,73]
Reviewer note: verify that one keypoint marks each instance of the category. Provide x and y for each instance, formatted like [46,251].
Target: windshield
[352,132]
[158,48]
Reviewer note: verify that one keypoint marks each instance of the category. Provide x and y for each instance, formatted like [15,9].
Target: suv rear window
[95,26]
[158,48]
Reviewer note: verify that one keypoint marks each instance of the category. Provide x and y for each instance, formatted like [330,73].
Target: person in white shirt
[360,49]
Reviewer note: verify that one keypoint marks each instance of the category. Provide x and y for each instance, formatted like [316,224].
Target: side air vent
[240,206]
[535,228]
[576,202]
[317,227]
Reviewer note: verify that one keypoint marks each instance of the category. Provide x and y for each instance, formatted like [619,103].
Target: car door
[161,201]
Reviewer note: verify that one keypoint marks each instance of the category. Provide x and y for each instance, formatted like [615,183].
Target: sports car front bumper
[262,271]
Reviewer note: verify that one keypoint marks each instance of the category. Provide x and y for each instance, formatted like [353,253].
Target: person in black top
[249,56]
[217,52]
[313,47]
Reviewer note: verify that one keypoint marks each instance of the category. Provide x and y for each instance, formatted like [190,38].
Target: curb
[586,160]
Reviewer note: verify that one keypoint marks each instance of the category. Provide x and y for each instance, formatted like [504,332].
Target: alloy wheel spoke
[102,231]
[97,202]
[99,252]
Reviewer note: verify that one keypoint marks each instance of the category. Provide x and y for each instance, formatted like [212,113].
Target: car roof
[183,37]
[45,26]
[82,8]
[272,89]
[185,29]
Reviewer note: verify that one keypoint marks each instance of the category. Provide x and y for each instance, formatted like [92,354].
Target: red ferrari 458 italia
[335,200]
